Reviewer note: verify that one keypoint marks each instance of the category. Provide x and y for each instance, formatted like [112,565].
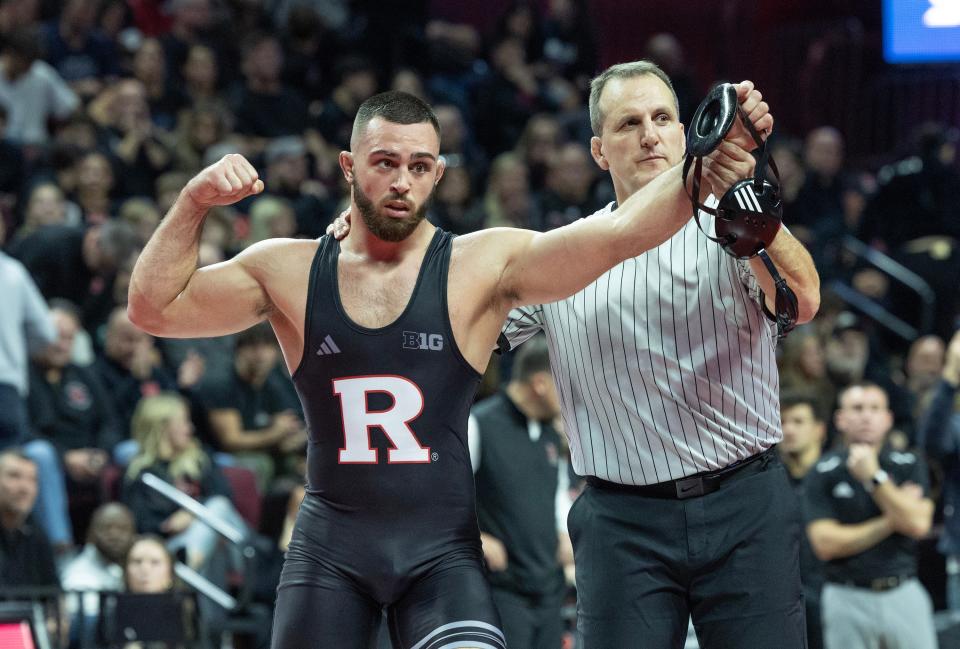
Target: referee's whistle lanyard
[749,215]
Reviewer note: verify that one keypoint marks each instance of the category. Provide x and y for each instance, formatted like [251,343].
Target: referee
[669,389]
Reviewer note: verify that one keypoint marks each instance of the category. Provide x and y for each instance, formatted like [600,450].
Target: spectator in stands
[270,217]
[265,107]
[458,147]
[94,191]
[99,566]
[803,368]
[454,208]
[25,326]
[72,411]
[866,506]
[507,201]
[357,82]
[149,566]
[288,177]
[46,205]
[804,434]
[569,187]
[133,368]
[665,50]
[570,44]
[507,98]
[135,140]
[538,146]
[255,414]
[201,76]
[517,457]
[164,98]
[310,51]
[31,90]
[199,128]
[938,434]
[142,215]
[82,55]
[27,558]
[820,199]
[169,450]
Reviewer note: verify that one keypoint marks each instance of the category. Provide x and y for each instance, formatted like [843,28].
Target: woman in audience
[167,448]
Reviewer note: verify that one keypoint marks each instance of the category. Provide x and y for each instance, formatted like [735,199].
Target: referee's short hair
[532,357]
[394,106]
[623,71]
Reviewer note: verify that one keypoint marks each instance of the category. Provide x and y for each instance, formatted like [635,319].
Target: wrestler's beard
[387,228]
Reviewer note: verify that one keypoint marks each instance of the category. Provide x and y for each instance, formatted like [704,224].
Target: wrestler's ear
[596,150]
[346,165]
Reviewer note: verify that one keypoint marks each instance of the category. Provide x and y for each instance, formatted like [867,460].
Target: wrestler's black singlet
[389,518]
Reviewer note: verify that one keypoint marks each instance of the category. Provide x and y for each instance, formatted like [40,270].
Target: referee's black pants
[729,559]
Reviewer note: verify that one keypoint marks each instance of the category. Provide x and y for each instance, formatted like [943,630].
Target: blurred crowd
[108,108]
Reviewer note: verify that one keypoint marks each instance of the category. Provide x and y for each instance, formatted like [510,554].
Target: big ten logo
[415,340]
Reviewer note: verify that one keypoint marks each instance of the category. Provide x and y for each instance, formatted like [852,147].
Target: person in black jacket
[516,456]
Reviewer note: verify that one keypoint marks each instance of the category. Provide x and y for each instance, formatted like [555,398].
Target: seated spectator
[264,106]
[142,215]
[149,571]
[201,75]
[138,144]
[94,191]
[164,99]
[31,90]
[270,217]
[99,566]
[148,567]
[12,169]
[569,187]
[538,146]
[255,415]
[356,82]
[454,208]
[287,176]
[507,99]
[198,129]
[169,450]
[820,198]
[803,368]
[81,54]
[46,205]
[131,366]
[27,556]
[72,411]
[507,202]
[458,146]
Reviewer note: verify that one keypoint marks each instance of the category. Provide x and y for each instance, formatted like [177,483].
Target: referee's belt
[879,584]
[698,484]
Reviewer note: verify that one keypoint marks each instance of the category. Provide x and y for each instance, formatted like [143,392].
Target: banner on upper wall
[921,31]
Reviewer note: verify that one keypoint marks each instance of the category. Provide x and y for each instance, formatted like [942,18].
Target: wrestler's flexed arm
[168,295]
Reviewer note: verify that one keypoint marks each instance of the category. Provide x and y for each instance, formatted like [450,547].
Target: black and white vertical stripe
[665,365]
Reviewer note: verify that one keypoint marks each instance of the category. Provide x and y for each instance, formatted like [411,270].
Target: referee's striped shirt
[665,365]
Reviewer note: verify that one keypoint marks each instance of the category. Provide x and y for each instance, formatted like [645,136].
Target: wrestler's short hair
[623,71]
[393,106]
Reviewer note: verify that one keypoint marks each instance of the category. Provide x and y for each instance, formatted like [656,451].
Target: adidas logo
[328,347]
[747,200]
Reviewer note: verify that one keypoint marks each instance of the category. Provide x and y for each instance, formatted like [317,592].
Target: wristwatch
[877,479]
